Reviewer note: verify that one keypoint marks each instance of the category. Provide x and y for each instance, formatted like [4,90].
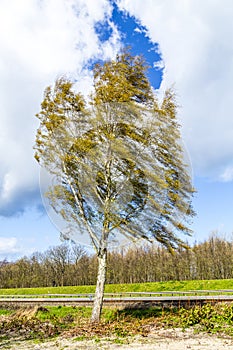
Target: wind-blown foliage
[117,160]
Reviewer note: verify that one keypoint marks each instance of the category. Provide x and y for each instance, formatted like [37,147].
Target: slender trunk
[99,292]
[102,252]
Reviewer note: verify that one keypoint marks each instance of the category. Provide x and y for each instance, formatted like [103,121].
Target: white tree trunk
[99,292]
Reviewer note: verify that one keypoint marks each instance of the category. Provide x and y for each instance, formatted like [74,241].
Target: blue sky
[186,44]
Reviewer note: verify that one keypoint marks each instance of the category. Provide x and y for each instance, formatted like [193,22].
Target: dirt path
[158,340]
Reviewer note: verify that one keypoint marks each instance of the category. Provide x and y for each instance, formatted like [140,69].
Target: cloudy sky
[188,43]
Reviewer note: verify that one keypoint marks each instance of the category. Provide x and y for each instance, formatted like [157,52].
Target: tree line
[70,264]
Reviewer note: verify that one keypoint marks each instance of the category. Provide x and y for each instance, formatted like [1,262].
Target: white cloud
[40,40]
[195,39]
[227,175]
[8,245]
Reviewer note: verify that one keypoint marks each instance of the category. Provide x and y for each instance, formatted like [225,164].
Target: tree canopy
[117,159]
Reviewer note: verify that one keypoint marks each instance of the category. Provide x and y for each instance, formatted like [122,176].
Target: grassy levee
[134,287]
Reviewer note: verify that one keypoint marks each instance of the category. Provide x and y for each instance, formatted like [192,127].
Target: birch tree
[117,161]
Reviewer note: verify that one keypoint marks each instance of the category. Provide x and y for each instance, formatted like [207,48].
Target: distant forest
[70,265]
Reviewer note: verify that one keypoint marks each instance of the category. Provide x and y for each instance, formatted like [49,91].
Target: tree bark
[99,292]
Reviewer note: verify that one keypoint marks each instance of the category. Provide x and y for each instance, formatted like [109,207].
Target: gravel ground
[157,340]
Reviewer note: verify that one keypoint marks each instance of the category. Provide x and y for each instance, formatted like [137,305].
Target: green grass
[48,290]
[5,312]
[127,322]
[120,288]
[116,325]
[63,313]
